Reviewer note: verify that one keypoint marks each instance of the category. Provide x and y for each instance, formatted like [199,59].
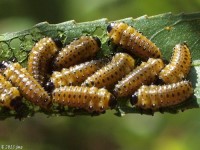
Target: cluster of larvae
[72,76]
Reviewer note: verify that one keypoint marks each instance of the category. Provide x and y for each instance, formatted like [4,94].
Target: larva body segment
[77,52]
[40,58]
[75,74]
[27,85]
[155,97]
[91,99]
[134,42]
[179,65]
[144,74]
[8,94]
[120,65]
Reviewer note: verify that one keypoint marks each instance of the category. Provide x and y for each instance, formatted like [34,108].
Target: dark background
[134,131]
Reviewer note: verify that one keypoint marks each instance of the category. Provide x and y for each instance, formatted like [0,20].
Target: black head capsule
[58,42]
[16,103]
[165,61]
[98,41]
[184,43]
[134,99]
[21,109]
[159,82]
[112,102]
[4,64]
[110,27]
[49,87]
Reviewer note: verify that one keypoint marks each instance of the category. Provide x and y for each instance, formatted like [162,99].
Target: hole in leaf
[99,32]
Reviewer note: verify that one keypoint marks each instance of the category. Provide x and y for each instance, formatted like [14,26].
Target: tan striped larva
[179,65]
[75,74]
[155,97]
[144,74]
[27,85]
[40,58]
[91,99]
[134,42]
[120,65]
[77,52]
[8,94]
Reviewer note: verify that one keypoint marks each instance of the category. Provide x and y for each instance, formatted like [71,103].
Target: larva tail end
[98,41]
[58,42]
[112,102]
[110,27]
[49,87]
[134,99]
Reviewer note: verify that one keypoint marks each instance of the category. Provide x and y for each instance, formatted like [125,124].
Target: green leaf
[165,30]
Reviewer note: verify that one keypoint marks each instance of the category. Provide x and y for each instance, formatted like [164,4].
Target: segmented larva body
[179,65]
[91,99]
[77,52]
[75,74]
[120,65]
[144,74]
[8,93]
[27,85]
[130,39]
[155,97]
[40,58]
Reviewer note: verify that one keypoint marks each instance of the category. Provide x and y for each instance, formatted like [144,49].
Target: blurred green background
[133,131]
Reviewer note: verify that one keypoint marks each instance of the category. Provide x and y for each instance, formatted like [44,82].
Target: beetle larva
[40,58]
[120,65]
[8,94]
[91,99]
[155,97]
[27,85]
[179,65]
[76,52]
[75,74]
[134,42]
[144,74]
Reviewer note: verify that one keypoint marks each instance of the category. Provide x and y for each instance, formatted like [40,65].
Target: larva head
[115,31]
[112,102]
[97,41]
[49,87]
[110,27]
[159,81]
[58,42]
[134,99]
[4,64]
[21,109]
[16,103]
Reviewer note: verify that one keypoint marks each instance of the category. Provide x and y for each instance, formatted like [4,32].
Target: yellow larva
[134,42]
[120,65]
[27,85]
[9,95]
[77,52]
[144,74]
[155,97]
[75,74]
[91,99]
[40,57]
[179,65]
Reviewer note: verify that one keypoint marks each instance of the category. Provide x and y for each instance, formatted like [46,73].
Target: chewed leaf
[165,30]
